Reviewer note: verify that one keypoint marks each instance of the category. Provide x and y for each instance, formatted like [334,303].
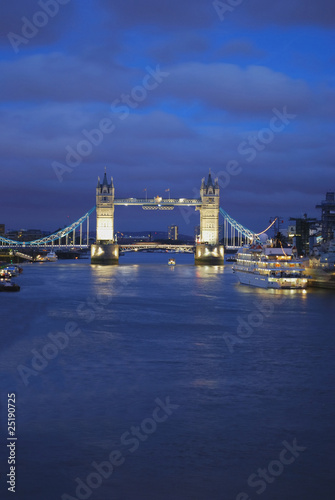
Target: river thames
[143,381]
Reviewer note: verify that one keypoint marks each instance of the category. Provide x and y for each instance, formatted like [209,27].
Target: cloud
[229,87]
[173,14]
[288,12]
[125,14]
[58,77]
[255,89]
[11,21]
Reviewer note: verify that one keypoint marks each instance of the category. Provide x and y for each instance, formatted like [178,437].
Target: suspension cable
[270,226]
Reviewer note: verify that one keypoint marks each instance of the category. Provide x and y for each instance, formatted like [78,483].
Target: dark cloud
[43,132]
[202,13]
[59,19]
[58,77]
[172,14]
[255,89]
[54,77]
[287,12]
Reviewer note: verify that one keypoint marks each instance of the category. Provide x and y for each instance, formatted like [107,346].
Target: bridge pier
[105,253]
[209,254]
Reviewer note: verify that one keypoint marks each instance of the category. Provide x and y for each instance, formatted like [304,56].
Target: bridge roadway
[136,247]
[131,247]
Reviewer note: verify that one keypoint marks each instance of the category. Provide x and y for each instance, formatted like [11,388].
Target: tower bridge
[106,249]
[208,249]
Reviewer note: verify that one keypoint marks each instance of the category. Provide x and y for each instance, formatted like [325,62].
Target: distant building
[291,232]
[2,229]
[301,232]
[32,234]
[328,216]
[173,233]
[26,234]
[12,235]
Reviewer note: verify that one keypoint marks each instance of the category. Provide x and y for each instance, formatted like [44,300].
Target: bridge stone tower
[105,210]
[105,251]
[209,251]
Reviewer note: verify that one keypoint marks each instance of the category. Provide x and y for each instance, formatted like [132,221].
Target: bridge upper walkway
[158,202]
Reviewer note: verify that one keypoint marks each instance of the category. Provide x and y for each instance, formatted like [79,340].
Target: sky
[158,93]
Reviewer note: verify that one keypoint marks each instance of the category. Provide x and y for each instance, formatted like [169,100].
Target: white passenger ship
[268,267]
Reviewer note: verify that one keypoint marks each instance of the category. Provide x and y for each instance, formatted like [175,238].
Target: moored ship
[270,267]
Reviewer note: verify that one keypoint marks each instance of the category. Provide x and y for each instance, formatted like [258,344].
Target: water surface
[244,381]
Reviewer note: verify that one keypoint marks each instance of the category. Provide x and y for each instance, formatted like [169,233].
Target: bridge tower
[208,250]
[105,210]
[105,250]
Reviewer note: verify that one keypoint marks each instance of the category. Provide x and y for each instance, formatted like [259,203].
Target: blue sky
[206,88]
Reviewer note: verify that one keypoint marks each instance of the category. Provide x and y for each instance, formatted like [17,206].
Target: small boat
[51,257]
[13,269]
[172,262]
[5,273]
[41,258]
[8,286]
[231,259]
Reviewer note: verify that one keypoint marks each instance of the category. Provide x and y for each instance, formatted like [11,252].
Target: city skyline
[159,97]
